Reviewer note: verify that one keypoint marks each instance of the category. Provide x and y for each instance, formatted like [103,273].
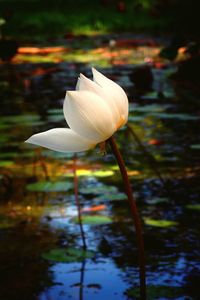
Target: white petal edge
[88,115]
[115,91]
[61,139]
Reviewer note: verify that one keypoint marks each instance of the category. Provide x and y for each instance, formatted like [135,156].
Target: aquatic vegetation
[67,255]
[160,223]
[34,222]
[48,186]
[94,220]
[88,129]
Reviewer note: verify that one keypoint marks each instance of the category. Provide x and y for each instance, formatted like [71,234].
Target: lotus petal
[61,139]
[88,115]
[115,92]
[86,84]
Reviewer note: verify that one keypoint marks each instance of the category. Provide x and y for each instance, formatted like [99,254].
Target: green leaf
[9,155]
[195,146]
[55,154]
[111,197]
[158,200]
[67,255]
[98,190]
[87,172]
[102,173]
[6,163]
[193,206]
[47,186]
[160,223]
[56,111]
[180,117]
[93,220]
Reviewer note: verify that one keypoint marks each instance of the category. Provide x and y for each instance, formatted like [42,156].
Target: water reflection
[38,210]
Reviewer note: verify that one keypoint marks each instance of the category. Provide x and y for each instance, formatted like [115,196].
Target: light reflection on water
[168,128]
[101,280]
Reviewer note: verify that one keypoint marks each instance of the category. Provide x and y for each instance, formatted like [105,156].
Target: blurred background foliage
[59,18]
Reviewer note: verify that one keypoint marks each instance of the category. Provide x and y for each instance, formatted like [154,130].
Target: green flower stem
[78,204]
[135,214]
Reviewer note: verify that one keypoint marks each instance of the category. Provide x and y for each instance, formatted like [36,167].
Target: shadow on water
[40,253]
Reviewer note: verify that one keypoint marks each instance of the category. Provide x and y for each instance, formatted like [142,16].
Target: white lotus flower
[93,112]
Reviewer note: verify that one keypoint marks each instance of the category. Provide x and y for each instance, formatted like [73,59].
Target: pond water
[40,243]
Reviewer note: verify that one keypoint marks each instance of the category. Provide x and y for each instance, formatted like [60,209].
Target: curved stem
[78,203]
[135,214]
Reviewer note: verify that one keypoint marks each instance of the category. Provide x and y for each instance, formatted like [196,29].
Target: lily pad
[150,96]
[67,255]
[55,111]
[56,118]
[160,223]
[93,220]
[103,173]
[193,206]
[98,190]
[180,117]
[48,186]
[157,200]
[22,119]
[6,163]
[195,146]
[112,197]
[157,292]
[59,155]
[136,118]
[88,172]
[9,155]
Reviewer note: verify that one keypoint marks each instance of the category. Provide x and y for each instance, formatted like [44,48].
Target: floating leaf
[80,172]
[150,96]
[88,172]
[103,173]
[22,119]
[195,146]
[67,255]
[112,197]
[9,155]
[181,117]
[94,220]
[56,118]
[6,163]
[55,111]
[136,118]
[98,190]
[55,154]
[160,223]
[157,200]
[47,186]
[193,206]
